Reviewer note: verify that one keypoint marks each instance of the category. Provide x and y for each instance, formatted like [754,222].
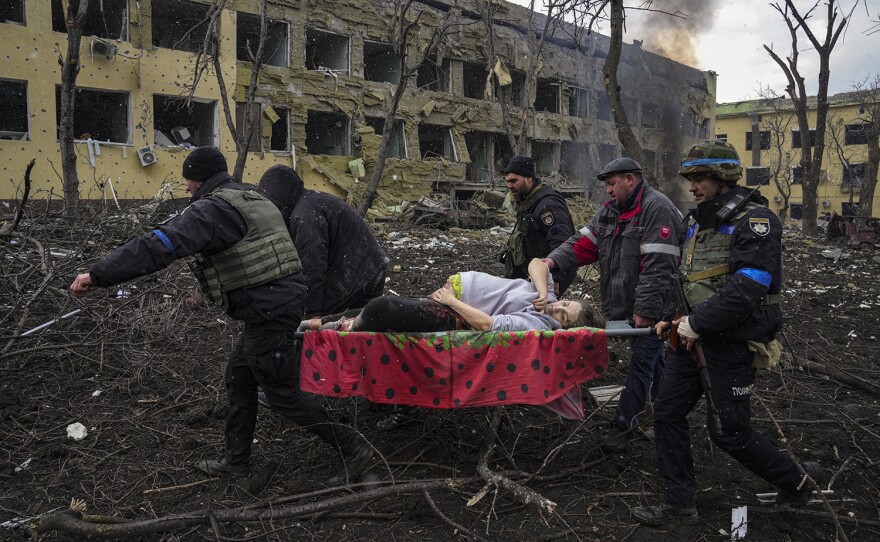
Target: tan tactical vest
[265,254]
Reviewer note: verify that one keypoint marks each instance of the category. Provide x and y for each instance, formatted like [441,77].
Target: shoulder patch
[759,225]
[547,218]
[664,232]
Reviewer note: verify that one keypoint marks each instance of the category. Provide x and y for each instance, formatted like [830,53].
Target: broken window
[176,123]
[603,107]
[854,175]
[849,208]
[280,140]
[435,141]
[326,51]
[547,96]
[514,93]
[502,151]
[797,175]
[796,211]
[14,118]
[579,103]
[240,109]
[380,63]
[12,11]
[856,134]
[474,77]
[574,160]
[248,40]
[397,141]
[328,134]
[477,171]
[102,115]
[544,153]
[104,19]
[179,25]
[796,138]
[433,76]
[650,114]
[756,176]
[765,140]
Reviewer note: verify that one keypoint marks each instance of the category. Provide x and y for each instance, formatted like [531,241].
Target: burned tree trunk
[70,66]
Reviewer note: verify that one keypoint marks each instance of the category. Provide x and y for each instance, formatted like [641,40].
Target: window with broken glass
[12,11]
[176,122]
[248,39]
[474,77]
[603,106]
[546,158]
[433,76]
[105,19]
[855,134]
[579,103]
[396,143]
[796,211]
[380,63]
[328,134]
[756,176]
[101,115]
[179,25]
[854,175]
[797,175]
[14,117]
[574,161]
[765,140]
[502,151]
[280,140]
[435,142]
[326,51]
[796,138]
[547,96]
[477,170]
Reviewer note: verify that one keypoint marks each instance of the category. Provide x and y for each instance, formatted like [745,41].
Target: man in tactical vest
[543,222]
[635,239]
[732,268]
[245,262]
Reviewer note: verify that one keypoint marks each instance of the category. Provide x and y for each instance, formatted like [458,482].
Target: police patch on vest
[761,226]
[547,218]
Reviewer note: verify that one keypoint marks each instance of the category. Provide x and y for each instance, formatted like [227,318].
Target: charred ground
[143,372]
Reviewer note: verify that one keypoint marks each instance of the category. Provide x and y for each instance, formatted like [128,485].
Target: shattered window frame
[397,145]
[478,143]
[574,162]
[796,211]
[256,142]
[280,130]
[96,25]
[433,77]
[756,174]
[849,208]
[544,102]
[87,100]
[173,35]
[195,121]
[796,138]
[579,102]
[13,13]
[765,140]
[856,134]
[449,150]
[546,156]
[796,175]
[389,66]
[854,175]
[9,124]
[473,79]
[276,48]
[318,127]
[313,59]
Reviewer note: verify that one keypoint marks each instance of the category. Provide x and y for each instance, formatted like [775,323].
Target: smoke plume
[672,28]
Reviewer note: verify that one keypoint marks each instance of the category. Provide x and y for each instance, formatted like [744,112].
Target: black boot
[661,514]
[213,467]
[616,441]
[353,465]
[800,496]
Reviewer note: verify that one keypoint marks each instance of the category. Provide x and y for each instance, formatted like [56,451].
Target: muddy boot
[616,441]
[664,514]
[353,465]
[213,467]
[801,495]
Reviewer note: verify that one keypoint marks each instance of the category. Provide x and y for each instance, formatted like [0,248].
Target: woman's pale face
[565,312]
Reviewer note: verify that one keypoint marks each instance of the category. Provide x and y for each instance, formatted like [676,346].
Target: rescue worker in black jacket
[732,264]
[245,262]
[543,222]
[342,262]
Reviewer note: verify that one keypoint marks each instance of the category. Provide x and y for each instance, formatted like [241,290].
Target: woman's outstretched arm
[539,273]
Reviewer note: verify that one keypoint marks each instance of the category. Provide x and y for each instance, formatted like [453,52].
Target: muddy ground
[143,372]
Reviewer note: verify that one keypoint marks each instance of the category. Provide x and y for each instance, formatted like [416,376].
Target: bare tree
[869,106]
[777,120]
[209,56]
[404,27]
[75,20]
[811,156]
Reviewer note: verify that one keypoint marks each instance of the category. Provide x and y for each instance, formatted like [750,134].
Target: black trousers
[266,354]
[412,314]
[732,377]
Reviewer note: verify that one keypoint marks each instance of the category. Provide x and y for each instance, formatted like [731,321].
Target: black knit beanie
[203,163]
[521,165]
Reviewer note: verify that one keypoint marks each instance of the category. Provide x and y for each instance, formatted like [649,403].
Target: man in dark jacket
[343,263]
[543,222]
[635,239]
[732,263]
[245,261]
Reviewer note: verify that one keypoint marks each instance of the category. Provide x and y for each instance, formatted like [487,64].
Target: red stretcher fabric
[456,369]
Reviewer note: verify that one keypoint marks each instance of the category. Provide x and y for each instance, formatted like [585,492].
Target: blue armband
[761,277]
[166,241]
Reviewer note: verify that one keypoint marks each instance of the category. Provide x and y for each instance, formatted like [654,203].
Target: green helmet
[716,159]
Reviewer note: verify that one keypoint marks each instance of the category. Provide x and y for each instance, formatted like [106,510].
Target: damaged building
[327,83]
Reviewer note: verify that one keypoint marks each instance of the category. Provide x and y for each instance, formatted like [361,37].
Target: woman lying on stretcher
[470,300]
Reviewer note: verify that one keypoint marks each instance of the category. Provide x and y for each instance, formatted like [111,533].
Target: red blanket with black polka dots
[456,368]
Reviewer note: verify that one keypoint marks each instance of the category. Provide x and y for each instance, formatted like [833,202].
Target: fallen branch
[522,493]
[839,376]
[7,229]
[181,486]
[447,519]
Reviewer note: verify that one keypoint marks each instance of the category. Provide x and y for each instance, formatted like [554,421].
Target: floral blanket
[456,369]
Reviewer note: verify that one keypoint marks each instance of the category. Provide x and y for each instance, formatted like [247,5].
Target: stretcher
[459,369]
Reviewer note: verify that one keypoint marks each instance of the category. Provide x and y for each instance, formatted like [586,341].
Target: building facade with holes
[328,79]
[844,163]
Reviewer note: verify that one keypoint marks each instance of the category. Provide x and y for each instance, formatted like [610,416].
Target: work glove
[685,330]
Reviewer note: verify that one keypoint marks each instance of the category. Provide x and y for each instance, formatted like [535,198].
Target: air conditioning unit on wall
[147,156]
[777,198]
[826,203]
[101,47]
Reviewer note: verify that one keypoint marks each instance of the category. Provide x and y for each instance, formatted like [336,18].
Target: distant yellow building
[780,140]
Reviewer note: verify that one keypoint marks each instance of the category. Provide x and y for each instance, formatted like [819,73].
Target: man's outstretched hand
[81,285]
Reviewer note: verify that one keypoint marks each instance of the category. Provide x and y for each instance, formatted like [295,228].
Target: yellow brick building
[845,144]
